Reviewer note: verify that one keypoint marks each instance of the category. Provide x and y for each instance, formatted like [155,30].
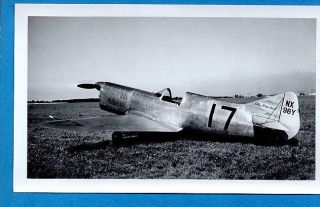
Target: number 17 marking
[233,111]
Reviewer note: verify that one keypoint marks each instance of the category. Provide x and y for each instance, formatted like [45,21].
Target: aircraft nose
[89,86]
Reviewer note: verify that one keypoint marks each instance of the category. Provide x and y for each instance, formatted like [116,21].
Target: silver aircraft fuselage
[195,112]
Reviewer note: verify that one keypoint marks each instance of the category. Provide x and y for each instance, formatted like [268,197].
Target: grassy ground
[55,153]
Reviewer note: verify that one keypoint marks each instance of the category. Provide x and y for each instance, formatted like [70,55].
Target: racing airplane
[137,111]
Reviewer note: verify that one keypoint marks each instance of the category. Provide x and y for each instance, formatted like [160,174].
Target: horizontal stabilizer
[279,112]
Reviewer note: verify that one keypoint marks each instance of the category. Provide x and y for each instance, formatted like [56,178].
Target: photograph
[174,98]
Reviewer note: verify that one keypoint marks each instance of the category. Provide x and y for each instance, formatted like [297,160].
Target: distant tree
[238,96]
[302,94]
[260,95]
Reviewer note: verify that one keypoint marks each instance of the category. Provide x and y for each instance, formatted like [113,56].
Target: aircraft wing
[111,123]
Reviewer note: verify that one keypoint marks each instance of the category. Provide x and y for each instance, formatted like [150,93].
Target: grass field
[57,153]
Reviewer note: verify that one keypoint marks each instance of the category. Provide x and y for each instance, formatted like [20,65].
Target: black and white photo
[170,98]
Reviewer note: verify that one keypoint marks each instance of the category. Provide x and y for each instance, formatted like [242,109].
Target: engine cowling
[115,98]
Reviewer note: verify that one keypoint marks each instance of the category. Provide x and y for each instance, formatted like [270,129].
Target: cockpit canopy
[166,95]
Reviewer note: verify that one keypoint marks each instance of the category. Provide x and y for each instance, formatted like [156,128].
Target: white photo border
[23,184]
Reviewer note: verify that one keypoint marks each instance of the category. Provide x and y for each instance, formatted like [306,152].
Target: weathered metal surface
[200,113]
[146,112]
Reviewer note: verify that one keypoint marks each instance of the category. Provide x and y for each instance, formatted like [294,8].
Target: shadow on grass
[120,139]
[90,146]
[244,140]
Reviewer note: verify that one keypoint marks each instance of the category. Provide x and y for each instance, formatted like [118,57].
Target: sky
[209,56]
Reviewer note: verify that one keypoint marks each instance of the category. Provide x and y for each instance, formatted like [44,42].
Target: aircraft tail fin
[279,112]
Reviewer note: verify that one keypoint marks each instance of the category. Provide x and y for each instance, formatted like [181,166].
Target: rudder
[290,118]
